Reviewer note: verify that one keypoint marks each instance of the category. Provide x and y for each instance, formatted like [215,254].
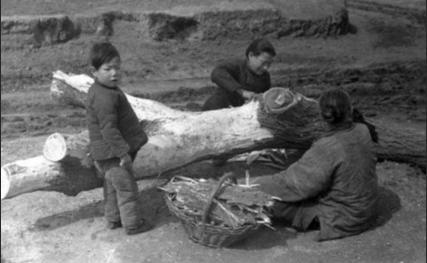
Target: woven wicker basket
[204,233]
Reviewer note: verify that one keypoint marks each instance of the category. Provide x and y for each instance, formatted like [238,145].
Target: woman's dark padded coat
[335,181]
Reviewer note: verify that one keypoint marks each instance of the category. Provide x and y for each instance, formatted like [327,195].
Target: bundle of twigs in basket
[233,206]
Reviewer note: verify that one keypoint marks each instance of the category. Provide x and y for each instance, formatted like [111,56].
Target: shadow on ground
[155,210]
[153,206]
[266,238]
[388,204]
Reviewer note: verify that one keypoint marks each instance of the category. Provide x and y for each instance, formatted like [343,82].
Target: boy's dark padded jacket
[114,128]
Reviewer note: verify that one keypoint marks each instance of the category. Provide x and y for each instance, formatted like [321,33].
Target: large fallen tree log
[178,138]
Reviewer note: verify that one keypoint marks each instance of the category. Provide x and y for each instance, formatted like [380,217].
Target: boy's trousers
[120,194]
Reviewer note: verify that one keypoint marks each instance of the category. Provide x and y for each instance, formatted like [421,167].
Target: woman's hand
[126,162]
[248,95]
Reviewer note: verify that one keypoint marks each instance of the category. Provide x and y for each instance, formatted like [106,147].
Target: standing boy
[115,137]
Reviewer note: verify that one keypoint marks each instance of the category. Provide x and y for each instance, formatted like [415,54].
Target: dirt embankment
[162,61]
[232,21]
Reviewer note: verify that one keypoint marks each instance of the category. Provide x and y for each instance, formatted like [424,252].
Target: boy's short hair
[102,52]
[259,46]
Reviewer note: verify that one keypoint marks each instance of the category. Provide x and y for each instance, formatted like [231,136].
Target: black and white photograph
[213,131]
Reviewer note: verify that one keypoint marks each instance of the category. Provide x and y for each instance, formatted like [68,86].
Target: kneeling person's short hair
[259,46]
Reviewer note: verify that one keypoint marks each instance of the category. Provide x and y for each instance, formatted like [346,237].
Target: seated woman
[240,79]
[334,185]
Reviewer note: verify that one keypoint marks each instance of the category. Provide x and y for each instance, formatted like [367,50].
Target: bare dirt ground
[382,63]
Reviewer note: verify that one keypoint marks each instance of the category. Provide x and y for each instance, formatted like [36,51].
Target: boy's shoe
[114,225]
[142,227]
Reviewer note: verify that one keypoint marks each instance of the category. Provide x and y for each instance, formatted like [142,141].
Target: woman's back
[350,201]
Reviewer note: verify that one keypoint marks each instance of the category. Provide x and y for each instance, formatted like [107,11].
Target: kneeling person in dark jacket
[238,80]
[115,137]
[334,184]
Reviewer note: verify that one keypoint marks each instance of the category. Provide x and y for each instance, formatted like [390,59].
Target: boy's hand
[126,162]
[87,161]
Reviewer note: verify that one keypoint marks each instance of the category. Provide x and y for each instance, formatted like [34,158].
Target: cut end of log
[55,148]
[5,183]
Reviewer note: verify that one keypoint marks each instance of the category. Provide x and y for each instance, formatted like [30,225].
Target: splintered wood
[234,206]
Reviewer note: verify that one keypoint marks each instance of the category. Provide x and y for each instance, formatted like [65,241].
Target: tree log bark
[68,176]
[295,128]
[178,138]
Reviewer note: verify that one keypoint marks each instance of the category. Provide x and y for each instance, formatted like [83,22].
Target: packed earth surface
[375,50]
